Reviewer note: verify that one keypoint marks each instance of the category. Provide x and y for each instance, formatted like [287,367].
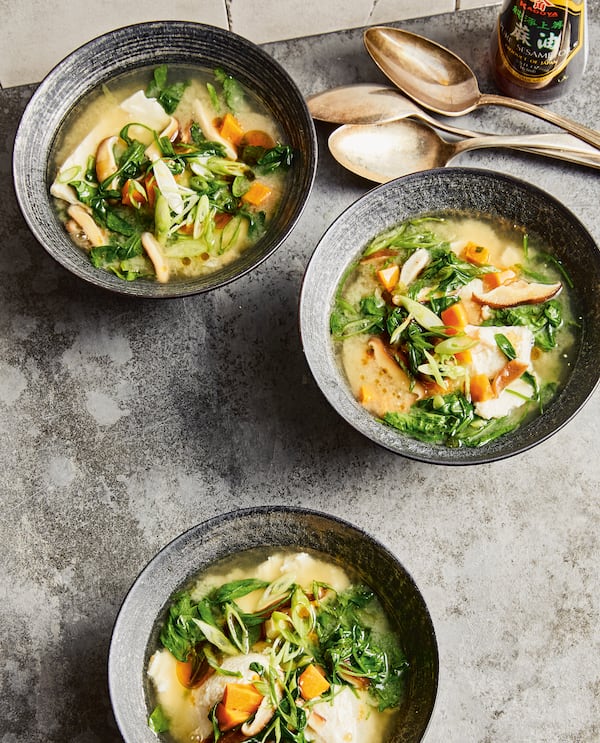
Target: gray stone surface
[124,422]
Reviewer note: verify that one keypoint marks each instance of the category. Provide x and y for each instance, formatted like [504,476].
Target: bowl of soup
[451,316]
[273,622]
[164,159]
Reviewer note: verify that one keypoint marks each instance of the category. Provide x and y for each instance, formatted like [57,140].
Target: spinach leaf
[449,419]
[350,649]
[232,90]
[158,722]
[406,237]
[505,346]
[542,319]
[368,317]
[167,95]
[445,273]
[280,156]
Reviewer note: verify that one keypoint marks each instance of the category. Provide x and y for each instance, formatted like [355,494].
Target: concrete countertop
[124,422]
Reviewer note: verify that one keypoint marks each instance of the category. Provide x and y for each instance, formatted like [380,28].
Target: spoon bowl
[442,82]
[361,103]
[382,152]
[428,72]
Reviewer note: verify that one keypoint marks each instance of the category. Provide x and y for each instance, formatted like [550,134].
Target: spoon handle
[582,132]
[538,144]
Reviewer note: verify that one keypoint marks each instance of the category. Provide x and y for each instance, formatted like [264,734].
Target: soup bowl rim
[135,632]
[141,46]
[345,239]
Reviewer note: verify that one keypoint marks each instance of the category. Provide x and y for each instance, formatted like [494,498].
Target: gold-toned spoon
[372,103]
[381,152]
[436,78]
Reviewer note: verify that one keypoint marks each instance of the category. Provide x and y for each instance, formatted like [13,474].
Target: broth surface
[203,205]
[351,716]
[455,328]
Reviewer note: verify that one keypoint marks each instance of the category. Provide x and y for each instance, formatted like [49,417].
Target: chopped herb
[158,722]
[167,95]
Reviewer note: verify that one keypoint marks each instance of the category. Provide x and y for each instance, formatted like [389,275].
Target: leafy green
[351,650]
[233,92]
[406,238]
[331,629]
[445,273]
[369,317]
[449,419]
[542,319]
[167,95]
[505,346]
[280,156]
[158,722]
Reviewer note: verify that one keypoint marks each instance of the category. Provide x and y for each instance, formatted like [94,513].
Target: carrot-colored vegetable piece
[231,129]
[455,316]
[258,138]
[497,278]
[191,675]
[240,701]
[476,254]
[509,372]
[491,280]
[388,277]
[230,718]
[244,697]
[464,357]
[133,193]
[256,194]
[312,682]
[184,671]
[481,389]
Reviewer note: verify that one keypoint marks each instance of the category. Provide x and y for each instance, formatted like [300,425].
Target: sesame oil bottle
[539,48]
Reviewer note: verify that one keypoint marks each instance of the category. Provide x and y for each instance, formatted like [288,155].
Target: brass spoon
[381,152]
[439,80]
[372,103]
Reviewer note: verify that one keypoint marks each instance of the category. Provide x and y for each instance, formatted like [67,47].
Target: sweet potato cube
[365,394]
[256,194]
[496,278]
[464,357]
[476,254]
[388,277]
[244,697]
[455,316]
[231,129]
[240,701]
[229,718]
[312,682]
[481,389]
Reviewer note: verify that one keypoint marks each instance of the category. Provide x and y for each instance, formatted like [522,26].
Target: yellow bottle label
[537,39]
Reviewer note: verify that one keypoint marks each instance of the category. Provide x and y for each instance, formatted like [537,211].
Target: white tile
[38,34]
[388,11]
[272,20]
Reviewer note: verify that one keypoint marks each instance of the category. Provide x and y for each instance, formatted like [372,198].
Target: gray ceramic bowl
[137,625]
[147,45]
[475,190]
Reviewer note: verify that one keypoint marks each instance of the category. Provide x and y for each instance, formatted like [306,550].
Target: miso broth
[284,626]
[170,173]
[455,329]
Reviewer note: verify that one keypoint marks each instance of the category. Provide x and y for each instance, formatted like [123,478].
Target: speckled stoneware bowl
[135,633]
[475,190]
[148,45]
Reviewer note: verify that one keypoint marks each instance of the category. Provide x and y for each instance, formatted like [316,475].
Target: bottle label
[537,39]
